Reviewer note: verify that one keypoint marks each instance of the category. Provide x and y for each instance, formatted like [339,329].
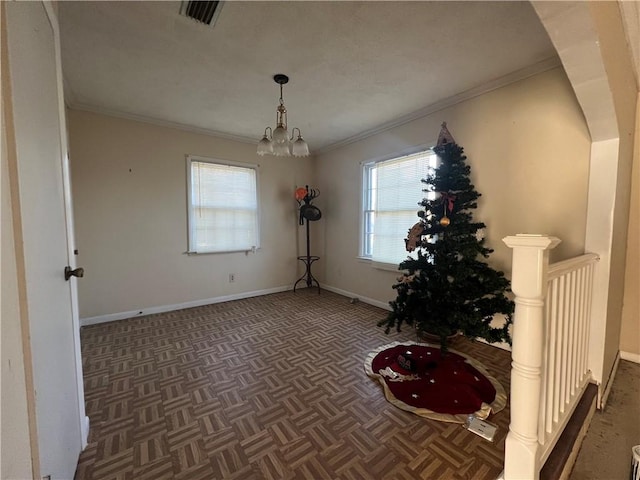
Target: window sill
[388,267]
[246,251]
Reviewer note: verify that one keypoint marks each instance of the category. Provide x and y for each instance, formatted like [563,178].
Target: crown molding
[160,123]
[505,80]
[526,72]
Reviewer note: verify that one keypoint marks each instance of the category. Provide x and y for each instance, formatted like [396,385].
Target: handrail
[565,351]
[550,366]
[565,266]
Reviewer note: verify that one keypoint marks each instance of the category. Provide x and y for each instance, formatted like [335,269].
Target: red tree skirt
[448,388]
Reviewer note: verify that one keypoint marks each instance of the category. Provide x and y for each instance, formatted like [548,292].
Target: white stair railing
[565,374]
[550,349]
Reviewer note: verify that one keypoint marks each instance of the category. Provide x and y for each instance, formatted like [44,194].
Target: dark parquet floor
[270,387]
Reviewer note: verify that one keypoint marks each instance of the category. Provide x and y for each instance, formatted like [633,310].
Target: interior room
[136,346]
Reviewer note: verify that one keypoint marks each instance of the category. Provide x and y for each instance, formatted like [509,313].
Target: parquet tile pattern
[269,387]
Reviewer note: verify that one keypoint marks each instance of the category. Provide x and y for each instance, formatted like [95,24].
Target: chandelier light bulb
[280,134]
[299,147]
[281,149]
[265,146]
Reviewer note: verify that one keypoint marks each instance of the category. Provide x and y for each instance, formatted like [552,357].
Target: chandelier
[277,142]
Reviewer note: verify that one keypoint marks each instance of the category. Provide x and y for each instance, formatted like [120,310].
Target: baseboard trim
[385,306]
[84,429]
[111,317]
[629,356]
[602,398]
[370,301]
[500,345]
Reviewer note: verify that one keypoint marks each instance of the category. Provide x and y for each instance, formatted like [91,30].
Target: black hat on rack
[310,212]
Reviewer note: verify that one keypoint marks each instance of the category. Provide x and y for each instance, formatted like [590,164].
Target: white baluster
[529,284]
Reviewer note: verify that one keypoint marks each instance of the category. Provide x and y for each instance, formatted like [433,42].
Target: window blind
[223,207]
[396,190]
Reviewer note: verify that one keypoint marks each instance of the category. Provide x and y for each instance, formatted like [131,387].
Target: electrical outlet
[232,277]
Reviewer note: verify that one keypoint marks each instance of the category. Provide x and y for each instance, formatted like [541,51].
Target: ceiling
[354,66]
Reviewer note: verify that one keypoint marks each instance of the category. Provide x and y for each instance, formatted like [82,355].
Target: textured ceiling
[354,66]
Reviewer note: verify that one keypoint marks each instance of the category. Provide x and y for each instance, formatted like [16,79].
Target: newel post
[529,284]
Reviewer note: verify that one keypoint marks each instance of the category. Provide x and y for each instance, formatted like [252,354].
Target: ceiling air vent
[202,12]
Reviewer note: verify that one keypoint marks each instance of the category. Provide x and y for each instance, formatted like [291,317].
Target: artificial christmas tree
[449,288]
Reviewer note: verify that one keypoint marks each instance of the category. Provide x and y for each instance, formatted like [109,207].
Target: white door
[40,135]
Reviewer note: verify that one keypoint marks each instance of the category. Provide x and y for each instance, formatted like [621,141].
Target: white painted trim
[630,356]
[529,285]
[513,77]
[69,223]
[387,267]
[84,426]
[572,30]
[370,301]
[501,345]
[559,269]
[582,59]
[385,306]
[603,395]
[503,81]
[603,167]
[112,317]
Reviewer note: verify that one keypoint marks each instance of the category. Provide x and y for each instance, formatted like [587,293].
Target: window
[392,190]
[223,206]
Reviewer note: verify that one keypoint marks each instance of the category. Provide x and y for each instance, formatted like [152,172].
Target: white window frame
[190,159]
[368,203]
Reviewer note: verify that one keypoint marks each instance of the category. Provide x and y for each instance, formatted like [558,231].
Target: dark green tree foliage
[449,287]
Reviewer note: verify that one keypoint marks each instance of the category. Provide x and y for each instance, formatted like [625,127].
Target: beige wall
[129,191]
[630,329]
[15,445]
[528,147]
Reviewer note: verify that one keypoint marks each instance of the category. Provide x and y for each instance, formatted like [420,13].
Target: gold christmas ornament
[447,198]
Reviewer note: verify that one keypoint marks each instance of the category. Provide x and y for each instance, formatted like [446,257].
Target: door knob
[68,272]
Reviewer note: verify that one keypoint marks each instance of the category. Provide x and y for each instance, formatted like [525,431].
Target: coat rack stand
[308,260]
[308,213]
